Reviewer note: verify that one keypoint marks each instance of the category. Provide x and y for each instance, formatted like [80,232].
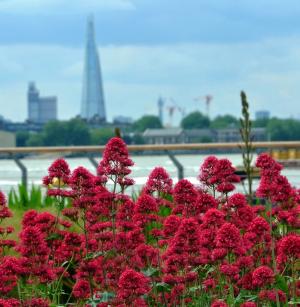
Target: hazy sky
[174,48]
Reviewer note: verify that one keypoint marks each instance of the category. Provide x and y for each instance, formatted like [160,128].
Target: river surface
[10,175]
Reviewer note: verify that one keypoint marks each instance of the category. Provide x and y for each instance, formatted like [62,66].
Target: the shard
[92,104]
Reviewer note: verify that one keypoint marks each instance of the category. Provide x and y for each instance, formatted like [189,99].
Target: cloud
[135,75]
[31,7]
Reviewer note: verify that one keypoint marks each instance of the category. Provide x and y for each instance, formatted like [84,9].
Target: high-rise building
[262,114]
[92,104]
[40,109]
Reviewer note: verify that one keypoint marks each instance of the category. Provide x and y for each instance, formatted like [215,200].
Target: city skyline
[153,48]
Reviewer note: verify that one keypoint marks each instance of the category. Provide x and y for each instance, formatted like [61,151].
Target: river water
[10,174]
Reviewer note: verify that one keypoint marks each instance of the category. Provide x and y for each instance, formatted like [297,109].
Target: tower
[92,104]
[160,104]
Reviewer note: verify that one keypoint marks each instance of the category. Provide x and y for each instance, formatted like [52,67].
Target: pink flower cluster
[174,245]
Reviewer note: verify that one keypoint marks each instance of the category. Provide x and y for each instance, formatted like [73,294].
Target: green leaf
[54,236]
[150,272]
[106,296]
[164,211]
[93,255]
[281,284]
[162,287]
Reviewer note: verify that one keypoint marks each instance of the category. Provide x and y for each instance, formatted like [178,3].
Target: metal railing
[168,149]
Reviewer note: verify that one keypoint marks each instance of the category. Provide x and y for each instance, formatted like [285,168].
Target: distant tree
[195,120]
[284,129]
[101,136]
[64,133]
[145,122]
[35,139]
[261,123]
[137,139]
[22,138]
[78,132]
[55,133]
[224,121]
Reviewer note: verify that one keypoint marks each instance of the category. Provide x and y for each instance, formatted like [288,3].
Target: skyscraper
[92,104]
[40,109]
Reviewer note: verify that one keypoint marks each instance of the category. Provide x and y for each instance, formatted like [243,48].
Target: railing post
[180,169]
[23,169]
[93,161]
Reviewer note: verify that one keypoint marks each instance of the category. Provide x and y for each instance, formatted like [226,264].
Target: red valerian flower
[33,242]
[249,304]
[213,218]
[288,248]
[4,211]
[259,226]
[218,303]
[145,210]
[36,302]
[59,169]
[132,285]
[115,160]
[218,175]
[237,200]
[230,270]
[208,171]
[8,279]
[228,236]
[262,276]
[268,165]
[81,289]
[171,224]
[185,196]
[270,295]
[9,302]
[159,181]
[206,202]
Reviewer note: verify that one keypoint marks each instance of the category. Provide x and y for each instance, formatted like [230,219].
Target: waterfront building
[7,139]
[92,104]
[179,136]
[230,135]
[40,109]
[164,136]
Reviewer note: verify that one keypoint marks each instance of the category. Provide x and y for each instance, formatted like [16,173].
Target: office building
[40,109]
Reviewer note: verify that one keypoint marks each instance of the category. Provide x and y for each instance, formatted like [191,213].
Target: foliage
[137,139]
[224,121]
[72,132]
[22,138]
[284,129]
[101,136]
[195,120]
[25,199]
[174,245]
[147,122]
[59,133]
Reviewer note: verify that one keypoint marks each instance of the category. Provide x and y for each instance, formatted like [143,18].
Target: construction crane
[181,110]
[171,109]
[207,99]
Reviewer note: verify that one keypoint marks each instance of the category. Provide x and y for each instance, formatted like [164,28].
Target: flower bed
[175,245]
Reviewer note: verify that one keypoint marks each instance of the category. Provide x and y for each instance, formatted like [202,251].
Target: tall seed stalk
[247,148]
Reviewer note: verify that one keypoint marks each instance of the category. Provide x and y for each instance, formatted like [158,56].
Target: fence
[168,149]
